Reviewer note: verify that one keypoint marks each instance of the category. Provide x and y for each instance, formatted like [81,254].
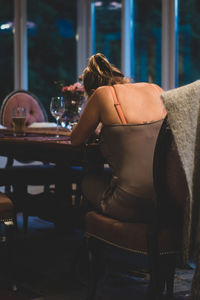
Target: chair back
[35,111]
[169,178]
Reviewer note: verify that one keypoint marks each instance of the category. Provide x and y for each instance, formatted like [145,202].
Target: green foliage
[6,50]
[52,56]
[108,32]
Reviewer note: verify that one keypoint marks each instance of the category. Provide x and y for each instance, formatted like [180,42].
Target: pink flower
[64,89]
[76,87]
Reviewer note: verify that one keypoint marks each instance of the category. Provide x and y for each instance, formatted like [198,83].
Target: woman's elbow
[75,141]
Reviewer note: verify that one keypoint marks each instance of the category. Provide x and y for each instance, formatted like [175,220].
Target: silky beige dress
[127,193]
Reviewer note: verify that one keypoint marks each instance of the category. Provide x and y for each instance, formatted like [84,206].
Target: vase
[73,109]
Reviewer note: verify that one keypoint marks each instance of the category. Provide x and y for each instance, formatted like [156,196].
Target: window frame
[85,36]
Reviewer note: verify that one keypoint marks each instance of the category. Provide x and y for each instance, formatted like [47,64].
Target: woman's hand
[94,138]
[88,122]
[98,129]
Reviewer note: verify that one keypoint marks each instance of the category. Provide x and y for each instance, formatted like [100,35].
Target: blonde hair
[100,72]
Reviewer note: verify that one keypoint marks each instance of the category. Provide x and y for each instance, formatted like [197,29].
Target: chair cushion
[129,236]
[6,207]
[33,110]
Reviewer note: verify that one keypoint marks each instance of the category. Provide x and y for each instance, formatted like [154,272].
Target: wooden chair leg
[95,268]
[92,278]
[10,243]
[171,264]
[157,283]
[163,277]
[155,291]
[7,243]
[20,201]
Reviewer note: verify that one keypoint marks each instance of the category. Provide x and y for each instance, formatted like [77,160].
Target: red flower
[64,89]
[73,88]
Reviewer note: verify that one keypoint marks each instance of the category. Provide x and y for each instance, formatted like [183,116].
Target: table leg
[63,203]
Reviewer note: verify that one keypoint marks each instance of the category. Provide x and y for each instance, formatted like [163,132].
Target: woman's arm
[88,122]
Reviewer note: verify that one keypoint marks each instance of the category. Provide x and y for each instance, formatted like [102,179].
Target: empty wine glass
[68,122]
[73,109]
[57,108]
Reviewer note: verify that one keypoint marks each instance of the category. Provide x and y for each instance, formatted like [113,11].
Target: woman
[131,115]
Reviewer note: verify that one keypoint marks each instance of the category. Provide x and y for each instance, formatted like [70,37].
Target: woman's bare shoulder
[100,96]
[102,89]
[143,86]
[105,89]
[131,85]
[101,92]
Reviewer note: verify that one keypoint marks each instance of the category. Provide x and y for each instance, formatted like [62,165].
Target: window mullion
[20,45]
[84,34]
[127,38]
[169,43]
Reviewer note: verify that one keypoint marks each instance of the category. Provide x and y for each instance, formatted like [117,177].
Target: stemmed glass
[73,110]
[57,108]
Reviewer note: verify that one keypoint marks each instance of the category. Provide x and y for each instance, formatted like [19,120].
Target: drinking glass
[57,108]
[73,110]
[63,121]
[18,120]
[66,122]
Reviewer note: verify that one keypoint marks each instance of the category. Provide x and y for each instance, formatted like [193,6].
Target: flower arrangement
[74,96]
[73,90]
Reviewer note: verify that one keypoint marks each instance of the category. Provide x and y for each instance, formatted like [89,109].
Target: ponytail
[100,72]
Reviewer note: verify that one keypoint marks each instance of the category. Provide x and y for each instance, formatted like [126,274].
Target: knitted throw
[183,109]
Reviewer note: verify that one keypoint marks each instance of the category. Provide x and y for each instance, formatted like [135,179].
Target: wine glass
[57,108]
[73,110]
[67,122]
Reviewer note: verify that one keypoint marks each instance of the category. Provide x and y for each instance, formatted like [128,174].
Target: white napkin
[42,125]
[2,127]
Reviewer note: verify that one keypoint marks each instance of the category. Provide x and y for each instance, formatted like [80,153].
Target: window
[6,48]
[147,41]
[51,46]
[106,37]
[52,52]
[189,41]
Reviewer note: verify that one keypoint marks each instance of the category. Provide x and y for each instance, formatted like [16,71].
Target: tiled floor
[45,264]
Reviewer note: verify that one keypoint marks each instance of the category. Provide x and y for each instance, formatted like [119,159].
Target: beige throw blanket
[183,108]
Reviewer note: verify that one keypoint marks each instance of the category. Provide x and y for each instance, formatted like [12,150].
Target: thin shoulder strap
[118,106]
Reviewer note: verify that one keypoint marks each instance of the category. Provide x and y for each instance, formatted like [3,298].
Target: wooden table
[42,145]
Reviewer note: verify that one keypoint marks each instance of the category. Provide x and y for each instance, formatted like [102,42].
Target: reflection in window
[147,41]
[107,33]
[51,46]
[6,48]
[189,41]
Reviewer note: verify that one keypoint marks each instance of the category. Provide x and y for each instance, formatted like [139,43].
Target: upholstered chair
[35,111]
[7,230]
[25,174]
[139,249]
